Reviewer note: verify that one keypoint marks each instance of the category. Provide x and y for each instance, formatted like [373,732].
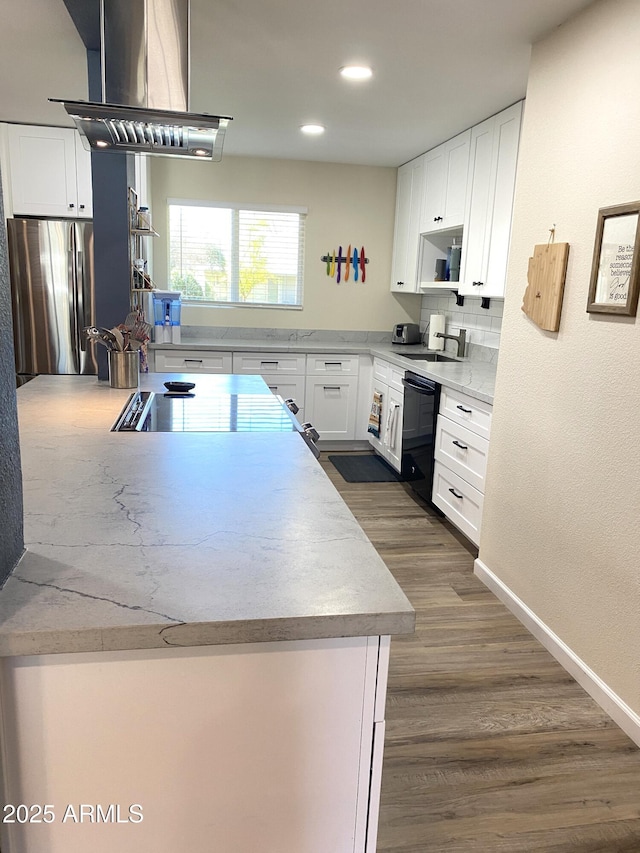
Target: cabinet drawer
[460,502]
[271,363]
[380,370]
[463,451]
[333,364]
[465,410]
[396,375]
[192,361]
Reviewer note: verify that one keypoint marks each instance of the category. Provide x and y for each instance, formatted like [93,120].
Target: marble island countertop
[476,378]
[150,540]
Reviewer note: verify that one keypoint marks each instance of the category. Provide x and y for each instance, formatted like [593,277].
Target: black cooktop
[147,411]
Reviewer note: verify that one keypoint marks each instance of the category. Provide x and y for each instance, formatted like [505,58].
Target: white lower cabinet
[324,385]
[287,387]
[330,404]
[393,428]
[387,382]
[461,450]
[331,395]
[283,373]
[273,747]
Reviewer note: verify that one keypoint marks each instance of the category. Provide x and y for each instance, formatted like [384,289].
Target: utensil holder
[124,369]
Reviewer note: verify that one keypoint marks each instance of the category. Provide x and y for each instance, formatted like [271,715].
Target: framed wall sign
[615,272]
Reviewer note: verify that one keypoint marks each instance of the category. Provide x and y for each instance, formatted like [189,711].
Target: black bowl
[179,387]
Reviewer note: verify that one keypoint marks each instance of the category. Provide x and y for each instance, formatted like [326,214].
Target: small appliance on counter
[166,316]
[406,333]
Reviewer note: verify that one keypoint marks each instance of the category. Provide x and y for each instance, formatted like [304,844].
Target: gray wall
[11,530]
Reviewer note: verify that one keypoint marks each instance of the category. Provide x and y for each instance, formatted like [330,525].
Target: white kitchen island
[195,644]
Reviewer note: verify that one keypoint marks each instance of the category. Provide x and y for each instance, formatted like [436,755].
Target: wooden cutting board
[542,301]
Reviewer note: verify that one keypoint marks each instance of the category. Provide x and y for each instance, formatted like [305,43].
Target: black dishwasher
[421,402]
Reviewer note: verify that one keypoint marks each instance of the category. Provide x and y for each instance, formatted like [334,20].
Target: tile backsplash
[483,325]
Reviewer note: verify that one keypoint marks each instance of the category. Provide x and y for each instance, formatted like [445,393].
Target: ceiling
[439,66]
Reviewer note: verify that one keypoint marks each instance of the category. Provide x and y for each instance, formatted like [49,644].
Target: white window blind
[236,255]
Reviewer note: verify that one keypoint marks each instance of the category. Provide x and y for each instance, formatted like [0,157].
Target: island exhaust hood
[144,46]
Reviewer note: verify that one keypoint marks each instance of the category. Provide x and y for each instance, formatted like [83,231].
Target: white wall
[560,525]
[346,204]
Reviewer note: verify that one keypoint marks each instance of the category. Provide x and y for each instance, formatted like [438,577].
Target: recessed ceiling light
[356,72]
[312,129]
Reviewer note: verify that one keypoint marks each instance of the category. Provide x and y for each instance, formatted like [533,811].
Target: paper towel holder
[436,325]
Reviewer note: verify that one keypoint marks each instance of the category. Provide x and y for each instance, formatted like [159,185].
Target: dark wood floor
[490,745]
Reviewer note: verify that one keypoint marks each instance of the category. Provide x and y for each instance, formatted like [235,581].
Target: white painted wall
[346,204]
[560,521]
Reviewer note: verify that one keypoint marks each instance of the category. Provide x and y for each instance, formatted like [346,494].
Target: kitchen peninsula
[199,627]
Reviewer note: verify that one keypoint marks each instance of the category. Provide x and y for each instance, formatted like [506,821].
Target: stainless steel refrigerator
[52,295]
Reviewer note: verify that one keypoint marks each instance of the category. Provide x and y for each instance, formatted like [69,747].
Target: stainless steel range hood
[145,85]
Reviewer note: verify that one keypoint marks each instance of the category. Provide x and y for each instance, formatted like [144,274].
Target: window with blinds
[236,254]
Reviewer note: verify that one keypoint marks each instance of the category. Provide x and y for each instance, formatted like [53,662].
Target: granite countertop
[149,540]
[476,378]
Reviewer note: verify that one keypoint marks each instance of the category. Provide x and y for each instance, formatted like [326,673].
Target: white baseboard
[606,698]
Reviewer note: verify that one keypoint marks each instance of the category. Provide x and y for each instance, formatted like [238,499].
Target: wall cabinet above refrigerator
[49,172]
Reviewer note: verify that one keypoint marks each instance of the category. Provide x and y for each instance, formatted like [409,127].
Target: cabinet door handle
[71,206]
[466,411]
[477,283]
[399,283]
[82,207]
[461,446]
[272,387]
[437,219]
[194,360]
[456,494]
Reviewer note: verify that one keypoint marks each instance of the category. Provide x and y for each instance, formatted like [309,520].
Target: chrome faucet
[459,339]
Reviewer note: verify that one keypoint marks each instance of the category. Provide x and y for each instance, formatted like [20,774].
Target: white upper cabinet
[404,272]
[492,176]
[50,172]
[445,185]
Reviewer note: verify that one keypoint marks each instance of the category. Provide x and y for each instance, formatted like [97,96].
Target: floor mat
[363,469]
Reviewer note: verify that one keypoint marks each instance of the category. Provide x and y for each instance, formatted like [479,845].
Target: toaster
[406,333]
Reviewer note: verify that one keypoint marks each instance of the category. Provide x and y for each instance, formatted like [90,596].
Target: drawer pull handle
[194,360]
[333,364]
[269,362]
[456,494]
[461,446]
[466,411]
[331,387]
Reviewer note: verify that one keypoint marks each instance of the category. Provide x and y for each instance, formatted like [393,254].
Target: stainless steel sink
[426,356]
